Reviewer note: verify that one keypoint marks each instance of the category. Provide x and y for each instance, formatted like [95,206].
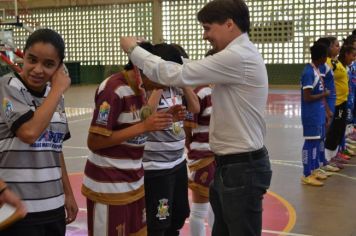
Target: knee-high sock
[309,155]
[198,213]
[322,159]
[330,153]
[210,217]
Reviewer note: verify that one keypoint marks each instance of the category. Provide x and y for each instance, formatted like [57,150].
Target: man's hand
[128,42]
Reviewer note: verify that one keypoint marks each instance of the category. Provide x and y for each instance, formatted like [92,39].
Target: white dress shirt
[239,97]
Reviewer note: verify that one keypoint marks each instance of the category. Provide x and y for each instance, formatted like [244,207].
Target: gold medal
[145,112]
[176,128]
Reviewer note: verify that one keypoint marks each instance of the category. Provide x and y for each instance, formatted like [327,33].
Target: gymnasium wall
[283,30]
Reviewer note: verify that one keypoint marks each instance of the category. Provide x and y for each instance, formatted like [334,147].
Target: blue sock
[309,155]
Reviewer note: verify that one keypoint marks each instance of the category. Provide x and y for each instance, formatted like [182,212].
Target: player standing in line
[329,102]
[313,114]
[201,161]
[336,131]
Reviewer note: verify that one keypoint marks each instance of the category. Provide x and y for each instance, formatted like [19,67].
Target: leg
[180,208]
[199,181]
[158,197]
[57,228]
[242,189]
[199,211]
[219,226]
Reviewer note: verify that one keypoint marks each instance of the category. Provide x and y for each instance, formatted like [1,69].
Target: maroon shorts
[200,176]
[114,220]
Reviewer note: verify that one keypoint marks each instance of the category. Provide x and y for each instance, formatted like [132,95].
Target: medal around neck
[176,128]
[145,112]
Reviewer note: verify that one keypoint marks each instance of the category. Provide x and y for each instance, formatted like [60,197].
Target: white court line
[284,233]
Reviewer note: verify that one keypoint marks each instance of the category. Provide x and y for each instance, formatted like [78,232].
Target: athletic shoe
[330,168]
[350,148]
[319,175]
[326,173]
[349,152]
[351,145]
[351,139]
[311,180]
[334,163]
[343,156]
[339,159]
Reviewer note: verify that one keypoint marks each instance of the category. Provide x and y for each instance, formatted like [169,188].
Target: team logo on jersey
[203,178]
[7,107]
[162,209]
[103,115]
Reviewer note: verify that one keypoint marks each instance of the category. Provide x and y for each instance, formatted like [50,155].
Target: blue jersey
[327,73]
[352,92]
[313,113]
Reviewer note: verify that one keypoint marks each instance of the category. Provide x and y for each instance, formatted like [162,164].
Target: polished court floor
[290,208]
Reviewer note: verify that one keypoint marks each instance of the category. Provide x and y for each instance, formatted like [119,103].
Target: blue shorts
[314,131]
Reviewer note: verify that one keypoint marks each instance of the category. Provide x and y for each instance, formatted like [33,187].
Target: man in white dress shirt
[237,126]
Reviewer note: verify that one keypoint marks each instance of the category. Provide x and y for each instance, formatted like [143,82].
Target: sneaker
[351,139]
[326,173]
[350,149]
[349,152]
[330,168]
[350,145]
[319,175]
[338,160]
[311,180]
[343,156]
[336,164]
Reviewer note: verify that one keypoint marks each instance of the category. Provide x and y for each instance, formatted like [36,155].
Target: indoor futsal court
[290,208]
[282,31]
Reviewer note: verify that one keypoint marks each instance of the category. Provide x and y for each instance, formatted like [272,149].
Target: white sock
[210,217]
[330,153]
[198,213]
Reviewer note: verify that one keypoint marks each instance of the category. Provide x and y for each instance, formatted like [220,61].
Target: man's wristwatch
[129,51]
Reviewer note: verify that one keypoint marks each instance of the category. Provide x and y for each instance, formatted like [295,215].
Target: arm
[157,121]
[9,197]
[221,68]
[309,97]
[70,204]
[192,100]
[154,99]
[29,131]
[188,136]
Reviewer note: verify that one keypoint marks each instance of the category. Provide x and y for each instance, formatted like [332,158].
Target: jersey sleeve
[15,108]
[108,107]
[307,79]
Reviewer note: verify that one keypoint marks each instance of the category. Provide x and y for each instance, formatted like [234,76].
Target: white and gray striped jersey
[31,170]
[164,149]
